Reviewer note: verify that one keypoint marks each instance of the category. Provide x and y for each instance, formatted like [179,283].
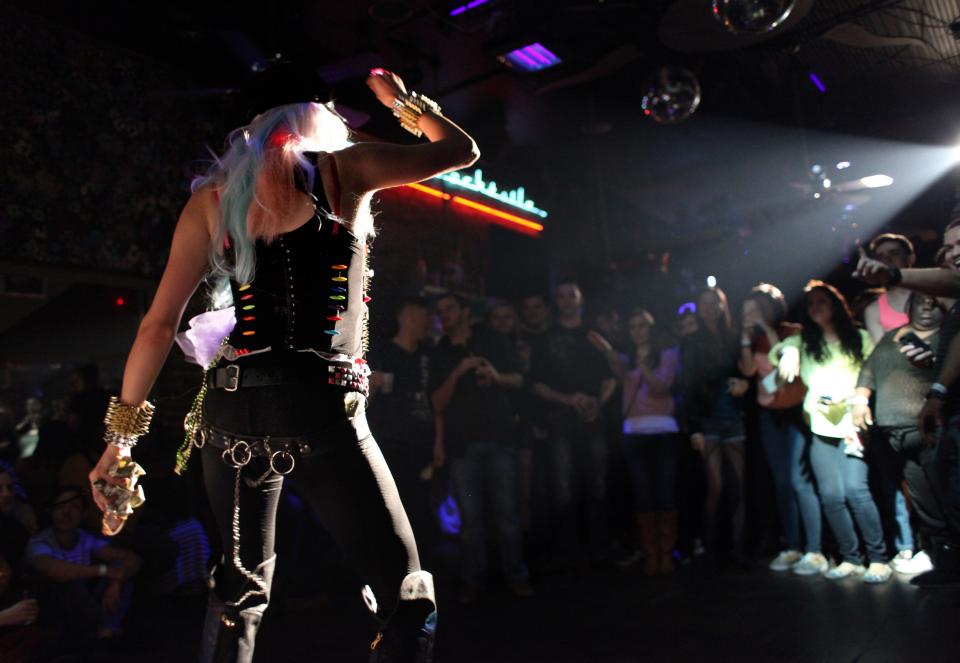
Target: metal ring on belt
[238,450]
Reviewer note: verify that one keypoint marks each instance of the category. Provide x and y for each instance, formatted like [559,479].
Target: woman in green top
[827,355]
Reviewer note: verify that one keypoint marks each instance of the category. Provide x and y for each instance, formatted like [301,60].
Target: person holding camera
[890,310]
[471,373]
[897,451]
[827,356]
[783,433]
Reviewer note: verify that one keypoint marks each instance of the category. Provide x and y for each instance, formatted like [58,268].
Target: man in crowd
[471,373]
[400,410]
[574,382]
[82,581]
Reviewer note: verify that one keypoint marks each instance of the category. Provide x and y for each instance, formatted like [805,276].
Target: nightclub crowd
[533,440]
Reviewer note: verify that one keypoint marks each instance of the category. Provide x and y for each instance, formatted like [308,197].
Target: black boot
[408,635]
[230,632]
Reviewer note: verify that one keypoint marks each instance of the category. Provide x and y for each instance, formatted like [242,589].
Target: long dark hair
[850,340]
[656,343]
[771,301]
[726,322]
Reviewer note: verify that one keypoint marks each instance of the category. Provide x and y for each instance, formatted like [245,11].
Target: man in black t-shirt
[399,411]
[471,371]
[574,382]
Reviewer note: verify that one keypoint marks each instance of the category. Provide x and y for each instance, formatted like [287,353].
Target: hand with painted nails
[386,85]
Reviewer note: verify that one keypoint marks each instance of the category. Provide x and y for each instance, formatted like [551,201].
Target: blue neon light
[816,81]
[475,182]
[465,7]
[530,58]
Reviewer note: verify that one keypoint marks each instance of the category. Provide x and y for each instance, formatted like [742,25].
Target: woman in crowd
[827,356]
[650,437]
[896,450]
[283,217]
[783,432]
[713,399]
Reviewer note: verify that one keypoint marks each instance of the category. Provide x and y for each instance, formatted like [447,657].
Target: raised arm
[936,281]
[373,166]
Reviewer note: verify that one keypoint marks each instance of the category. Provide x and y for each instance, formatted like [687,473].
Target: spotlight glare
[827,183]
[711,281]
[817,196]
[843,164]
[876,181]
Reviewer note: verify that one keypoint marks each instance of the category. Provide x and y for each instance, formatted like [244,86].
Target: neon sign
[499,216]
[513,197]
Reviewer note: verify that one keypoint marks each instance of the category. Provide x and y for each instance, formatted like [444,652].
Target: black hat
[282,82]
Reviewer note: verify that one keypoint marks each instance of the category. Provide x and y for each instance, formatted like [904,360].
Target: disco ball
[751,16]
[671,95]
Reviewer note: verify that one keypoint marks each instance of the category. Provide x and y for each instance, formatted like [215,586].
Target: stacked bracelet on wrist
[126,423]
[409,106]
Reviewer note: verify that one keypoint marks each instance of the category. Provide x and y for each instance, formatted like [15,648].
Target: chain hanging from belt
[191,423]
[238,453]
[260,587]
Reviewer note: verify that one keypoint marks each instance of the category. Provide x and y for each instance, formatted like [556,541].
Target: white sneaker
[785,560]
[810,564]
[908,563]
[877,573]
[845,569]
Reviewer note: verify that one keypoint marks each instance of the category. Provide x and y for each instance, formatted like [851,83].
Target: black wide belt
[340,373]
[233,377]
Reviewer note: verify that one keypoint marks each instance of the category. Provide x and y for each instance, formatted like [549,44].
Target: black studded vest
[309,291]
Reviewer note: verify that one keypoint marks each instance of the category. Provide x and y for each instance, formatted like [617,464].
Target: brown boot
[667,528]
[647,524]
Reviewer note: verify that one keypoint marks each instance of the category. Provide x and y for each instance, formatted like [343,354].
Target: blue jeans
[652,463]
[843,485]
[487,471]
[575,460]
[785,444]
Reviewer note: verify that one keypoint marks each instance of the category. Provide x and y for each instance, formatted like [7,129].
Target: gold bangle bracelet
[408,108]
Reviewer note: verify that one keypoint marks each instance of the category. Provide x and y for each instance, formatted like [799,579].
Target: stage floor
[608,616]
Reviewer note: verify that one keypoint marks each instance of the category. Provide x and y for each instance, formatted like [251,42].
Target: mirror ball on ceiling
[751,16]
[671,95]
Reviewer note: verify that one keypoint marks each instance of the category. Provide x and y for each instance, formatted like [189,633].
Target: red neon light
[497,213]
[486,209]
[430,191]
